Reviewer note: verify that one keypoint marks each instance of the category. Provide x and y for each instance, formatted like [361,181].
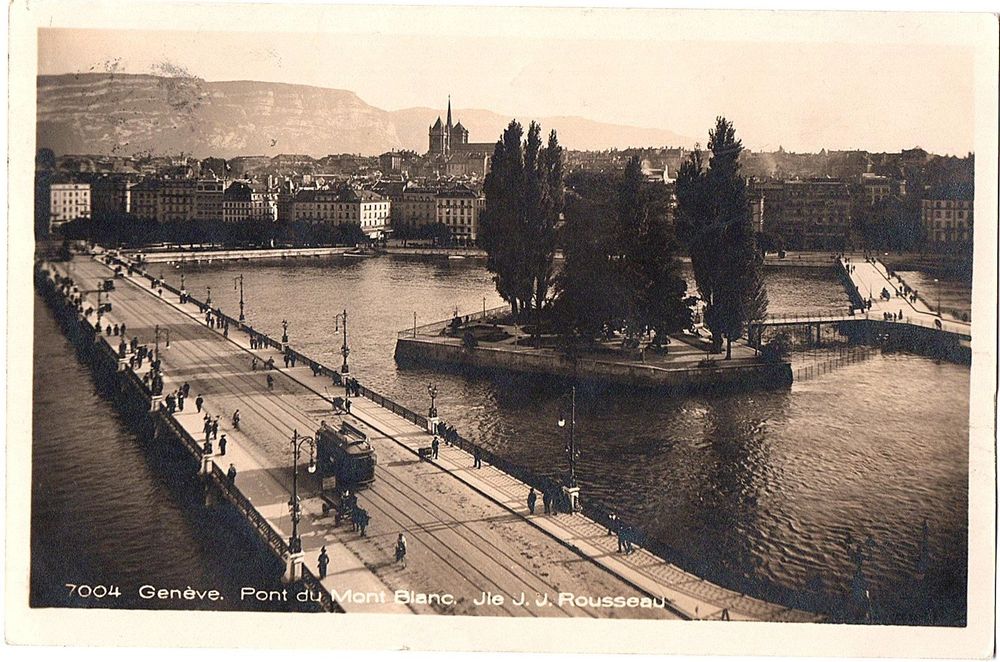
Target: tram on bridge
[346,456]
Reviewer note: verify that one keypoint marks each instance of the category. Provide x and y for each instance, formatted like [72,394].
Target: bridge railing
[435,328]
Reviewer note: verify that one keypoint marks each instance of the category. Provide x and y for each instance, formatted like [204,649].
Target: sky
[836,86]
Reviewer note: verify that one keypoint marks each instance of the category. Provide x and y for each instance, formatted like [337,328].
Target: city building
[110,195]
[947,221]
[877,187]
[810,214]
[68,201]
[459,210]
[208,199]
[242,202]
[365,208]
[444,139]
[144,199]
[176,200]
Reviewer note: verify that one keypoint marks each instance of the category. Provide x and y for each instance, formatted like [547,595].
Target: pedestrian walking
[186,388]
[206,448]
[109,329]
[180,399]
[546,501]
[236,419]
[612,522]
[532,499]
[292,359]
[123,329]
[324,561]
[198,402]
[253,364]
[401,550]
[477,458]
[270,383]
[225,330]
[434,447]
[286,360]
[621,540]
[208,429]
[114,330]
[215,428]
[171,403]
[222,445]
[363,520]
[231,474]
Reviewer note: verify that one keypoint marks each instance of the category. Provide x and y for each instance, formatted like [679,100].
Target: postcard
[498,328]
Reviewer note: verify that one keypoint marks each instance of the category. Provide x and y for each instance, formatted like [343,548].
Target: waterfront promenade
[462,541]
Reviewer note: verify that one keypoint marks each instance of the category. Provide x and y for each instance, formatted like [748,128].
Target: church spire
[449,112]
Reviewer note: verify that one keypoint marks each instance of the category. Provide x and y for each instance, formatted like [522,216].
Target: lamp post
[344,350]
[432,390]
[937,283]
[295,543]
[156,333]
[571,448]
[284,332]
[101,306]
[240,279]
[182,282]
[208,299]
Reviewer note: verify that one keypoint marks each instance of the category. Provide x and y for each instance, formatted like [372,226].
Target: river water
[759,491]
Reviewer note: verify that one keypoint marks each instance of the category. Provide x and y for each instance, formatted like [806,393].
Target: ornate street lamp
[432,390]
[208,299]
[240,279]
[344,350]
[284,331]
[295,543]
[571,448]
[938,283]
[156,333]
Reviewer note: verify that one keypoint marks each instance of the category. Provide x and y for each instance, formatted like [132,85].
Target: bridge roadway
[462,541]
[870,278]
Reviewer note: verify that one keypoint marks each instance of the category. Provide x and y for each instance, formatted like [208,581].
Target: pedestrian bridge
[900,314]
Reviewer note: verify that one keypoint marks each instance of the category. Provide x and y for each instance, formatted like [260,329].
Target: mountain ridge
[118,113]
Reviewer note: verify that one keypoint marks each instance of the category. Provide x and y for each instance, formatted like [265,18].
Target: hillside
[134,113]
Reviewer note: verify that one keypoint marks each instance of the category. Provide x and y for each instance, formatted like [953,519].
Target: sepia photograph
[605,317]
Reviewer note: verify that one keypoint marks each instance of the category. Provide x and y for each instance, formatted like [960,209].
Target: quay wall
[244,254]
[146,414]
[434,351]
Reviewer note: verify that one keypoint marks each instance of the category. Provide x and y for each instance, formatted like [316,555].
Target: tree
[714,217]
[621,275]
[524,198]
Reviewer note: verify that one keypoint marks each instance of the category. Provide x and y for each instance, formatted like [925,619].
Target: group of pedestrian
[353,387]
[116,329]
[289,359]
[893,317]
[211,427]
[627,536]
[359,520]
[448,433]
[551,497]
[256,340]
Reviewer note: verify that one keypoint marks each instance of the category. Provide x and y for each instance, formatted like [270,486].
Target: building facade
[243,203]
[367,209]
[947,221]
[208,199]
[176,200]
[110,195]
[68,201]
[808,214]
[459,210]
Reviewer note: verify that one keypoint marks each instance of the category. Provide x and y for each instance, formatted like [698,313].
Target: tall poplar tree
[715,220]
[524,198]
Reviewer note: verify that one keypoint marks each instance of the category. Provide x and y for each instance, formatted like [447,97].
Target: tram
[346,456]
